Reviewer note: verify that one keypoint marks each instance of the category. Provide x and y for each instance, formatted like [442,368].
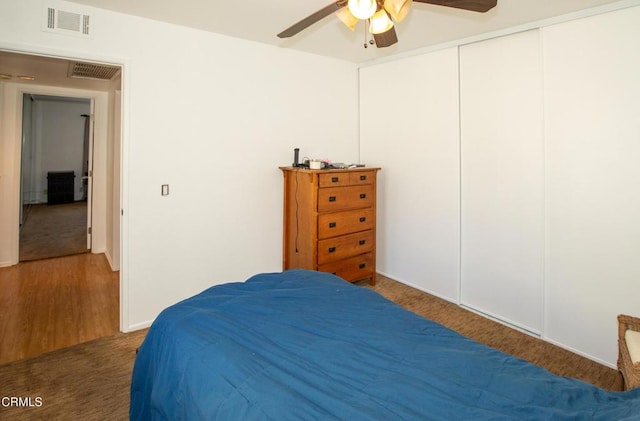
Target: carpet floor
[91,381]
[53,231]
[555,359]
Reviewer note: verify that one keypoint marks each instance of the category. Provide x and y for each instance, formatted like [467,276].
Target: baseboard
[138,326]
[110,260]
[7,264]
[507,322]
[582,354]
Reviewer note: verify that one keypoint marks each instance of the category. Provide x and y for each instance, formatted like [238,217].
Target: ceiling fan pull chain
[366,45]
[367,41]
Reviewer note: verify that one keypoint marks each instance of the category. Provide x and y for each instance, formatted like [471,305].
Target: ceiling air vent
[79,70]
[67,22]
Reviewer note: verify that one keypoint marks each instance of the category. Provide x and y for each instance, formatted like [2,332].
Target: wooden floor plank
[54,303]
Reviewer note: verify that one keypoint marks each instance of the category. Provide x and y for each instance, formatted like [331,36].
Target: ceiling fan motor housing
[350,11]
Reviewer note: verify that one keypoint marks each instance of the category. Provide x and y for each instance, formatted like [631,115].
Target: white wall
[213,117]
[113,183]
[59,142]
[565,213]
[409,126]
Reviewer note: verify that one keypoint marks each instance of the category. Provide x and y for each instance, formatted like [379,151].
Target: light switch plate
[165,190]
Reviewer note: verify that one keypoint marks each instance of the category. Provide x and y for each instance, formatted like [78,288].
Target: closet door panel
[592,131]
[502,179]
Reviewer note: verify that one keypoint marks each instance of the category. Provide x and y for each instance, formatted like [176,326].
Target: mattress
[305,345]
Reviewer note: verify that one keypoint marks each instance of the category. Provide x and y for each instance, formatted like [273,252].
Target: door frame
[89,156]
[98,201]
[120,135]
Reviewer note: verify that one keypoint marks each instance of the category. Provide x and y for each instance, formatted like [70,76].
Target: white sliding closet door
[502,169]
[592,96]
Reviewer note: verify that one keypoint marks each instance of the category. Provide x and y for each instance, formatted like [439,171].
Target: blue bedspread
[304,345]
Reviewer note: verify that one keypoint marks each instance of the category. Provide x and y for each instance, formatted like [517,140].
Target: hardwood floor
[55,303]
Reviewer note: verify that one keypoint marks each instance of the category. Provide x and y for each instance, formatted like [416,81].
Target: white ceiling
[259,20]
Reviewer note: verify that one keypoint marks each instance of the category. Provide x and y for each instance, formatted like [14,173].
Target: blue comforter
[304,345]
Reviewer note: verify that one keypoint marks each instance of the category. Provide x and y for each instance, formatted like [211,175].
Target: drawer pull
[362,219]
[363,196]
[362,265]
[335,179]
[363,177]
[361,242]
[332,249]
[332,198]
[332,224]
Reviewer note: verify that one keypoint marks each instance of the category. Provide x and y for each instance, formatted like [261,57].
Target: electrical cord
[296,200]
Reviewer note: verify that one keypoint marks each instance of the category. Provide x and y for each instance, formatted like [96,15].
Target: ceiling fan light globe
[347,18]
[362,9]
[380,22]
[398,9]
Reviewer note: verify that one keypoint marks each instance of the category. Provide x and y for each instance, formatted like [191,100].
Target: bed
[304,345]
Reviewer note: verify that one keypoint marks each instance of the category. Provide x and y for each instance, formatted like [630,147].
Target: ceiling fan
[380,15]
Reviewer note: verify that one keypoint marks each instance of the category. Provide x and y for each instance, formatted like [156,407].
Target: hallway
[54,303]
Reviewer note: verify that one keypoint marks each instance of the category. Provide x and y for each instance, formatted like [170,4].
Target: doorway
[54,76]
[55,178]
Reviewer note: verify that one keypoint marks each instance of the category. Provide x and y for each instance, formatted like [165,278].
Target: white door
[502,179]
[89,176]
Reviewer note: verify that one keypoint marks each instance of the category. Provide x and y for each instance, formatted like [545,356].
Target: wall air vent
[79,70]
[67,22]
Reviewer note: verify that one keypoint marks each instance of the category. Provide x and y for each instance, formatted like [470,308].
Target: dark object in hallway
[60,187]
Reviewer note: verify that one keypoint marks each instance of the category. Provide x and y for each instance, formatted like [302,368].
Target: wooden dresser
[330,221]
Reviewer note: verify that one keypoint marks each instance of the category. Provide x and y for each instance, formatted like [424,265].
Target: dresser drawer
[338,248]
[351,269]
[336,179]
[340,223]
[361,177]
[341,198]
[341,179]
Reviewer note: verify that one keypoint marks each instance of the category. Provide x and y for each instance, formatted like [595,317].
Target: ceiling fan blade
[313,18]
[473,5]
[386,39]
